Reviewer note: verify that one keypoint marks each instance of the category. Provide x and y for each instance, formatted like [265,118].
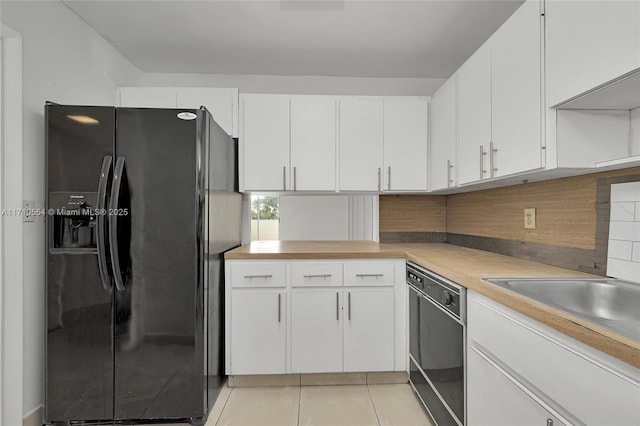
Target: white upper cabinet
[222,103]
[313,143]
[405,144]
[589,43]
[264,143]
[474,117]
[361,143]
[443,125]
[516,93]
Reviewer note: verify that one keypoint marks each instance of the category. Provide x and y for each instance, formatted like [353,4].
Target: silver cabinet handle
[337,306]
[284,178]
[294,179]
[279,307]
[482,154]
[317,276]
[349,305]
[258,276]
[492,152]
[369,275]
[449,167]
[549,422]
[389,178]
[379,172]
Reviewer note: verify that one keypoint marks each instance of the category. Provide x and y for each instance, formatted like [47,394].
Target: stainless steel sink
[610,303]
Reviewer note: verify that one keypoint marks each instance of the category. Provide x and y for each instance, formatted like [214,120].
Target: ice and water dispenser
[73,221]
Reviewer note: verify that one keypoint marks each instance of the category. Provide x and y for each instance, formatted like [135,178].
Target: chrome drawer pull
[317,276]
[258,276]
[369,275]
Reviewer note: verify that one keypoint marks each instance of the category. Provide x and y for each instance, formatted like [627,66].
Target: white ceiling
[352,38]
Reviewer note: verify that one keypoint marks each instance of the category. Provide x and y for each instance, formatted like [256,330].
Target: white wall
[64,61]
[314,217]
[635,131]
[309,85]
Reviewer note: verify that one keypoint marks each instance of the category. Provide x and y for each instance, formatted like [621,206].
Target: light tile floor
[349,405]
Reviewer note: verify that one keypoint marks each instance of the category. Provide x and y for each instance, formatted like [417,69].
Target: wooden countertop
[466,267]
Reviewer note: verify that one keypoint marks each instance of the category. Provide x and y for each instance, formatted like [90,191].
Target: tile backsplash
[623,256]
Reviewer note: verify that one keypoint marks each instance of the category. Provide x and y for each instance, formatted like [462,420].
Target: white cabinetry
[516,93]
[361,142]
[508,401]
[444,139]
[316,330]
[313,143]
[222,103]
[474,117]
[256,303]
[589,43]
[573,382]
[264,142]
[315,316]
[405,144]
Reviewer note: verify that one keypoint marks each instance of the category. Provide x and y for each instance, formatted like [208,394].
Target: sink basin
[610,303]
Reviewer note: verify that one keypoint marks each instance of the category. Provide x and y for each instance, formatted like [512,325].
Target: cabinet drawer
[258,275]
[368,274]
[581,386]
[316,274]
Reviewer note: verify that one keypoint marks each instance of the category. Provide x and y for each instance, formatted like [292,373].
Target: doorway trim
[11,231]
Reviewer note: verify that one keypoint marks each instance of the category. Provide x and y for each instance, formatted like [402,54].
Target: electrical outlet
[28,206]
[530,218]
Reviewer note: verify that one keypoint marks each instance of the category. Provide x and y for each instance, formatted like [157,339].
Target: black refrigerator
[141,205]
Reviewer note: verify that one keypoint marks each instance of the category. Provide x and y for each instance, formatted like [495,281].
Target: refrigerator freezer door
[159,347]
[79,315]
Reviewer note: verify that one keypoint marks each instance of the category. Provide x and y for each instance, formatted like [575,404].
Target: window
[265,217]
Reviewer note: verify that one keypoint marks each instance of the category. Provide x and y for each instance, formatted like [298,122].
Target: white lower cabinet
[522,372]
[368,329]
[497,399]
[258,331]
[315,316]
[316,331]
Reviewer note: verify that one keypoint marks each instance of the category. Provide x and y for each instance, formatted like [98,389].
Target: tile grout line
[374,404]
[224,405]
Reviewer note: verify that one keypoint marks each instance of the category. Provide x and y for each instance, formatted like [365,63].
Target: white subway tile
[620,249]
[635,256]
[624,270]
[624,212]
[625,231]
[637,212]
[629,191]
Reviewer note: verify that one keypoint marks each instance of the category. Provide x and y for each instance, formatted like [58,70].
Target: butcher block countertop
[466,267]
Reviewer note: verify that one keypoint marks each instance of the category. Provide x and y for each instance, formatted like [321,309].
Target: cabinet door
[222,103]
[516,84]
[493,399]
[368,330]
[589,43]
[148,97]
[258,332]
[443,136]
[316,331]
[405,144]
[361,135]
[313,143]
[264,142]
[474,116]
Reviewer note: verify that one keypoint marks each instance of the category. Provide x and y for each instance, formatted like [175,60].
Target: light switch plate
[530,218]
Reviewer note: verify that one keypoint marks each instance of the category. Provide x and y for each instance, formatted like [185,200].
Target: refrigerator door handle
[101,237]
[113,223]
